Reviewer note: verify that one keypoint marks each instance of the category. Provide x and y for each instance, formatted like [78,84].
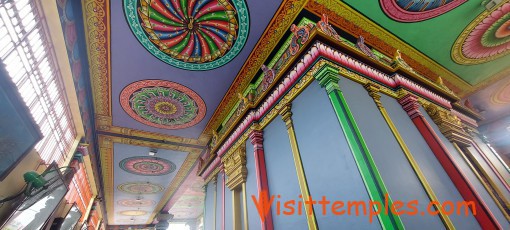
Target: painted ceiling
[462,36]
[165,74]
[196,46]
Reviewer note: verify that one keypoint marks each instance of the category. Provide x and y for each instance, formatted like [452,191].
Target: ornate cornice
[97,35]
[284,17]
[351,21]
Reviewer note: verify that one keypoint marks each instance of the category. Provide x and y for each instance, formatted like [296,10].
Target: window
[29,60]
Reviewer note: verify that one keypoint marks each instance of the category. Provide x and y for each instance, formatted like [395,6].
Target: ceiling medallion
[417,10]
[133,213]
[130,221]
[162,104]
[147,166]
[136,203]
[140,188]
[486,38]
[191,34]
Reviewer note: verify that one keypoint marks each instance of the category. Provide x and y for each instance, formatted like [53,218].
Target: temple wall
[210,214]
[435,174]
[395,170]
[471,175]
[324,131]
[327,160]
[281,173]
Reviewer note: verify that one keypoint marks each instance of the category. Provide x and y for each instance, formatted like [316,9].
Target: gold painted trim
[97,38]
[106,150]
[215,183]
[104,124]
[286,114]
[245,207]
[373,91]
[277,27]
[236,208]
[213,174]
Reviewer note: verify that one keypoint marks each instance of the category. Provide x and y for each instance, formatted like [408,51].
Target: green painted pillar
[328,78]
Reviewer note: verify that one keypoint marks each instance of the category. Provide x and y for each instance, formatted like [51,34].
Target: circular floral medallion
[162,104]
[147,166]
[136,203]
[140,188]
[133,213]
[130,221]
[486,38]
[190,34]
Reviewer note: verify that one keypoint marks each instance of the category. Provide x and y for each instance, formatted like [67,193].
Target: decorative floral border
[472,38]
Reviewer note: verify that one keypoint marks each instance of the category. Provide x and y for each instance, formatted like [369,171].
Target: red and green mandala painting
[162,104]
[485,39]
[147,166]
[190,34]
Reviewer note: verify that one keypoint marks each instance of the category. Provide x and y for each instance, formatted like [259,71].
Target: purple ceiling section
[131,62]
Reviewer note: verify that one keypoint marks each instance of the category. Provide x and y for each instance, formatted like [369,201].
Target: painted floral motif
[486,38]
[133,213]
[136,203]
[162,104]
[140,188]
[147,166]
[417,10]
[191,32]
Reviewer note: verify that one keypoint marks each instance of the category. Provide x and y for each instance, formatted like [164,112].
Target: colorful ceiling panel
[439,36]
[193,35]
[486,38]
[417,10]
[141,181]
[135,56]
[147,166]
[162,104]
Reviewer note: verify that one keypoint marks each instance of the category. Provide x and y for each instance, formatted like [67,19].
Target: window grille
[28,56]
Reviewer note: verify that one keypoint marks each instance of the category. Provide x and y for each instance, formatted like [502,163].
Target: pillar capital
[410,104]
[235,167]
[256,137]
[449,125]
[286,113]
[328,78]
[373,90]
